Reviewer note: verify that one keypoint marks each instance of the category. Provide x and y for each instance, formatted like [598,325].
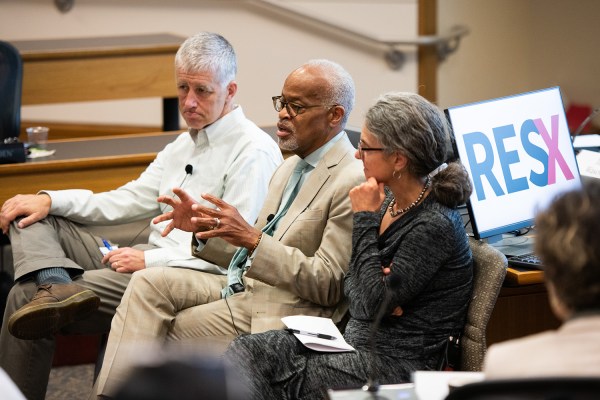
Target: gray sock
[53,275]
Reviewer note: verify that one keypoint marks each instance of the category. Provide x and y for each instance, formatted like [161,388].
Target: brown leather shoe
[53,306]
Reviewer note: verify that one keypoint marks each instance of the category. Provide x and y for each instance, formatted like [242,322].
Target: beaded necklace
[411,205]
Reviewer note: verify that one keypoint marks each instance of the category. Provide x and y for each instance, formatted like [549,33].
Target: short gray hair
[207,51]
[341,85]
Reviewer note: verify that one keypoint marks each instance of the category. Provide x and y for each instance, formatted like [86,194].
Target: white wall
[493,59]
[521,45]
[513,46]
[269,46]
[564,46]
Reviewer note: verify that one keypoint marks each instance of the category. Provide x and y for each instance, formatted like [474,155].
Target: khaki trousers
[58,242]
[171,306]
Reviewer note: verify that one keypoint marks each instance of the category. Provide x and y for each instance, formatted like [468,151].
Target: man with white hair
[292,261]
[64,283]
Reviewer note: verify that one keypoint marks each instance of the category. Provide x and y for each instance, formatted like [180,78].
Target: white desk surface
[433,385]
[427,385]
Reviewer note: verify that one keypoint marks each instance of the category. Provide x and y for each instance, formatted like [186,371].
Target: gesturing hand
[182,213]
[225,222]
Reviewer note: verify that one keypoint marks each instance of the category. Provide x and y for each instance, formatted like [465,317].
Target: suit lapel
[312,186]
[276,188]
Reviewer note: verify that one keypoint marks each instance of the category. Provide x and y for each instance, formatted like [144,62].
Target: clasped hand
[224,221]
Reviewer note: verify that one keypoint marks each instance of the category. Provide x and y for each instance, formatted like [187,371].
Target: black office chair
[550,388]
[11,79]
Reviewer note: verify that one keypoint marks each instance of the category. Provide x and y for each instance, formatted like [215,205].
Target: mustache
[285,127]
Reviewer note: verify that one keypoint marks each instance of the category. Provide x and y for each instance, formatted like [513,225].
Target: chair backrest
[489,270]
[11,78]
[551,388]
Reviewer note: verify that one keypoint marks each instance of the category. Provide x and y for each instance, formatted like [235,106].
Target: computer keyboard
[530,261]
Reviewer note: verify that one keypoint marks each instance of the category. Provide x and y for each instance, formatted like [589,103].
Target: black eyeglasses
[294,109]
[362,149]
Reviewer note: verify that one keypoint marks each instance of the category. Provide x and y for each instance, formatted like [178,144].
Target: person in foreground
[567,243]
[291,262]
[408,245]
[64,282]
[181,377]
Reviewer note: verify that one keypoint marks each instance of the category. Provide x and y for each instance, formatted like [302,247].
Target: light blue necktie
[238,264]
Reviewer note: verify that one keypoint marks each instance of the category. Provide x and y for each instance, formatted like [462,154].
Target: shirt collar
[314,157]
[219,129]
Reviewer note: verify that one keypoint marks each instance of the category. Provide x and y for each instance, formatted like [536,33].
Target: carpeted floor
[70,382]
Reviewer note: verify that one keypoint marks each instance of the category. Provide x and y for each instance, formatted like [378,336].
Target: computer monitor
[519,156]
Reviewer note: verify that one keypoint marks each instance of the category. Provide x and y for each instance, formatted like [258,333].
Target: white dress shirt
[232,159]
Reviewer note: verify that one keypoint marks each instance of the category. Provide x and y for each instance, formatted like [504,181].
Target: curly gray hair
[411,125]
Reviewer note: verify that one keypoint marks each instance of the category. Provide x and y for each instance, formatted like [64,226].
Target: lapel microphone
[372,386]
[188,171]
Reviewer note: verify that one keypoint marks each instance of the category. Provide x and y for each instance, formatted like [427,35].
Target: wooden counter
[520,311]
[98,164]
[102,68]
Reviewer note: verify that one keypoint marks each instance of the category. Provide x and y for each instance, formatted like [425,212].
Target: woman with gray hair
[410,274]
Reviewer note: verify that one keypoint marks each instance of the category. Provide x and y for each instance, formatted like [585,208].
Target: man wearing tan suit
[295,268]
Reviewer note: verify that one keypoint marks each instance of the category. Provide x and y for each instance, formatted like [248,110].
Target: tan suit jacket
[300,269]
[573,349]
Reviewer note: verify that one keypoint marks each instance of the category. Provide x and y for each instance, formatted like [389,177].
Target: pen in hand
[107,245]
[318,335]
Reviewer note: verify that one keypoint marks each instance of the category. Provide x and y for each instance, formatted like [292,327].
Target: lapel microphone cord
[189,169]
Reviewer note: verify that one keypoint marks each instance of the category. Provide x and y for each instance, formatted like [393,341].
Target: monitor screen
[519,156]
